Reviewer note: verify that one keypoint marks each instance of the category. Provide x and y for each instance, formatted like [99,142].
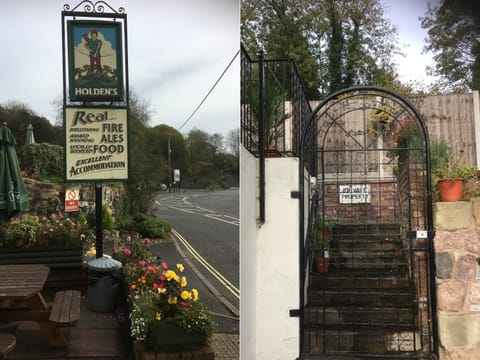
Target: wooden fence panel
[451,117]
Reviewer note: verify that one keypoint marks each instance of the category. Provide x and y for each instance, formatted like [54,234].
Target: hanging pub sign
[95,68]
[96,145]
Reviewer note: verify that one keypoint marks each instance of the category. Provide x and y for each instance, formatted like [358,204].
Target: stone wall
[457,250]
[47,197]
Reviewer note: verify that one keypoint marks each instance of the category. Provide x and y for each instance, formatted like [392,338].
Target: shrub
[145,225]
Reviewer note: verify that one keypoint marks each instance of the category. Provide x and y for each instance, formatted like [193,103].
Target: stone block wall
[457,251]
[47,197]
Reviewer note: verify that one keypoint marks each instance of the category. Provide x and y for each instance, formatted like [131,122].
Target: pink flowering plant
[133,249]
[406,135]
[161,293]
[55,229]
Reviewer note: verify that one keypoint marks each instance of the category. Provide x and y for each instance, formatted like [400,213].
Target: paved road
[206,226]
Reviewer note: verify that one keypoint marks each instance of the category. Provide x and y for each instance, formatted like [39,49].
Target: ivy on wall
[42,161]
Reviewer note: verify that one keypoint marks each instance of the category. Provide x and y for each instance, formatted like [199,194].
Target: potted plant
[448,173]
[274,118]
[381,120]
[322,244]
[55,240]
[165,315]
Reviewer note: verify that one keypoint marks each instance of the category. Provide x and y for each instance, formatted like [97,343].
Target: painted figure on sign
[93,45]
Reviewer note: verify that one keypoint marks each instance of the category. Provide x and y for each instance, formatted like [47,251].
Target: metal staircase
[366,306]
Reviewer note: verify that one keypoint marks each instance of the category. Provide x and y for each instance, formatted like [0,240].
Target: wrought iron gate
[371,218]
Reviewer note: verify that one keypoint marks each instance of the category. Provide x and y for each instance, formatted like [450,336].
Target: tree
[335,43]
[140,108]
[208,160]
[233,142]
[275,26]
[454,39]
[18,116]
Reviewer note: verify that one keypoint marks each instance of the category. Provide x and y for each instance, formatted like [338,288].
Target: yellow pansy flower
[158,316]
[180,267]
[195,294]
[170,274]
[186,295]
[162,290]
[183,281]
[172,300]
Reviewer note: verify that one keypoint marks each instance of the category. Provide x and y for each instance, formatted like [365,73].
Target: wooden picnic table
[21,299]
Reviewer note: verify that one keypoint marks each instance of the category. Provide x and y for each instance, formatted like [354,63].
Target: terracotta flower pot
[450,190]
[322,264]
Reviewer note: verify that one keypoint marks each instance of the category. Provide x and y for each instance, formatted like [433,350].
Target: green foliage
[142,314]
[18,116]
[324,236]
[146,225]
[444,166]
[453,29]
[197,318]
[44,161]
[160,293]
[335,44]
[54,229]
[108,222]
[107,219]
[131,250]
[439,153]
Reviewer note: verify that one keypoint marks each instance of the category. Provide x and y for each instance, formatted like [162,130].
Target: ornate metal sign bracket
[98,7]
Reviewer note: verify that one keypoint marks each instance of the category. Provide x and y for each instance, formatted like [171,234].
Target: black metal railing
[274,111]
[272,98]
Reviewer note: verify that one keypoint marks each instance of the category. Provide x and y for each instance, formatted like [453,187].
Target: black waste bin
[103,283]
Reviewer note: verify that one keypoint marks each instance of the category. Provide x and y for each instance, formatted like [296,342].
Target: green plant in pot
[448,173]
[274,117]
[322,244]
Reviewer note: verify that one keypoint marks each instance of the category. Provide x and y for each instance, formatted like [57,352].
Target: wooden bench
[7,344]
[65,308]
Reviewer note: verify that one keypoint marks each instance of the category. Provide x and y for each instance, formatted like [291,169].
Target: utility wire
[206,96]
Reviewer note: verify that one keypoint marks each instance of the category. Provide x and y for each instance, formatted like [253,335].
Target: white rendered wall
[248,256]
[270,287]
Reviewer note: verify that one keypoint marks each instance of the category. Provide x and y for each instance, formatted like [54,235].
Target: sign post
[95,100]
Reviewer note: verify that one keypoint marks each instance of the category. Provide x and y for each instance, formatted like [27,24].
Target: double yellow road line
[215,273]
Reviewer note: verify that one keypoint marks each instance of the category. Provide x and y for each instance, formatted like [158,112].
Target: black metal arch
[313,137]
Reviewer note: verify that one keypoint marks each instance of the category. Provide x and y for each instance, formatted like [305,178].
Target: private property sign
[96,146]
[355,194]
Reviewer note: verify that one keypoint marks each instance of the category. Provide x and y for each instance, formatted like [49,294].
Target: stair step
[360,297]
[371,229]
[382,261]
[361,244]
[375,342]
[364,305]
[340,280]
[354,315]
[372,341]
[357,262]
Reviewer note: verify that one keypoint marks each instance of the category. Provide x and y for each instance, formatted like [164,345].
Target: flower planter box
[65,263]
[167,336]
[53,256]
[142,352]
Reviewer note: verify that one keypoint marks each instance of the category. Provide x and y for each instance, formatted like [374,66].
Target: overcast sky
[176,51]
[405,15]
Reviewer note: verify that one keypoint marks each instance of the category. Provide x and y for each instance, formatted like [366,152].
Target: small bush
[146,225]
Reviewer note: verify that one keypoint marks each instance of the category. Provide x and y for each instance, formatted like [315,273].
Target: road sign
[71,200]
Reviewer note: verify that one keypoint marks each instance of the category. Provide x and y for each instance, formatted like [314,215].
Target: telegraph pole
[169,168]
